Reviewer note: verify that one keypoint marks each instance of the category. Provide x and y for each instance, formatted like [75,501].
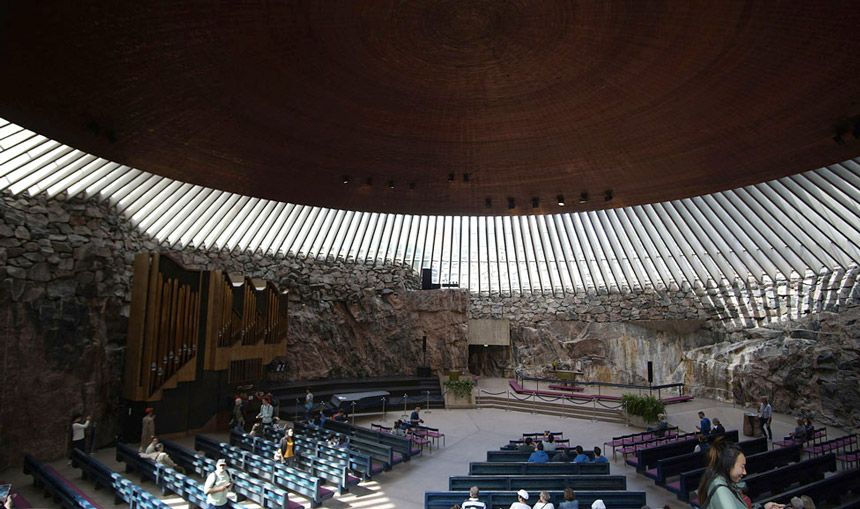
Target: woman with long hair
[721,486]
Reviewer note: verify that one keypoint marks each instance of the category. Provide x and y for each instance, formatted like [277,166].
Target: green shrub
[461,388]
[646,407]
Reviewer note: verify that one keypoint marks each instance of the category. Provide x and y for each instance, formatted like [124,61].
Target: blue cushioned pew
[383,454]
[55,486]
[123,489]
[504,499]
[169,480]
[276,473]
[524,468]
[538,483]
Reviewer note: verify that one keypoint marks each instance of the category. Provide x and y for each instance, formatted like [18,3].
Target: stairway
[588,411]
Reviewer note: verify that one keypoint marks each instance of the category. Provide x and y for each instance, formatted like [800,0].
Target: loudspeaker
[650,372]
[426,279]
[424,371]
[424,344]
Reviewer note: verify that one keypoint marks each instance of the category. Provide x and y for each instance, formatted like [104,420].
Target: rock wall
[65,281]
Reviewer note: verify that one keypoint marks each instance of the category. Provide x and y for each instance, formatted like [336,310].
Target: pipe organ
[185,320]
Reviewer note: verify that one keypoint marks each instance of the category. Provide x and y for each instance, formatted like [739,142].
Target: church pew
[552,468]
[261,492]
[830,489]
[642,436]
[512,456]
[122,488]
[382,453]
[359,462]
[676,465]
[647,458]
[756,463]
[401,445]
[55,486]
[812,469]
[166,478]
[278,474]
[538,483]
[504,499]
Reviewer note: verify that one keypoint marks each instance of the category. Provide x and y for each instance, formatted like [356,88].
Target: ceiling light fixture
[370,181]
[510,203]
[488,203]
[450,177]
[535,203]
[583,197]
[412,185]
[607,195]
[346,179]
[466,177]
[391,184]
[560,199]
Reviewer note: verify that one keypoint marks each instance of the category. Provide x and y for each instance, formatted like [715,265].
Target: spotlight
[488,203]
[450,177]
[607,195]
[839,140]
[535,203]
[560,199]
[391,184]
[465,177]
[346,179]
[583,197]
[510,203]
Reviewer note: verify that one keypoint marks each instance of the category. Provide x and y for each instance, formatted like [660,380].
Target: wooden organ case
[185,324]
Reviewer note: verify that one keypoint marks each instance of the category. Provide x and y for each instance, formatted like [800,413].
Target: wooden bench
[756,463]
[122,488]
[828,490]
[55,485]
[676,465]
[288,478]
[504,499]
[635,438]
[538,483]
[775,481]
[169,480]
[647,458]
[359,462]
[401,445]
[523,468]
[382,453]
[248,486]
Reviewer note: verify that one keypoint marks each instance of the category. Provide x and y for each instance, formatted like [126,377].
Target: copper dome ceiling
[442,107]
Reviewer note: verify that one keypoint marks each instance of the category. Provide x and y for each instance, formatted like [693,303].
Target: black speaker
[426,279]
[424,344]
[650,372]
[424,371]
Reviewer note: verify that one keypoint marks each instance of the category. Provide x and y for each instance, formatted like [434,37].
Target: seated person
[703,444]
[549,445]
[159,456]
[599,457]
[718,427]
[560,456]
[151,447]
[526,446]
[397,428]
[581,457]
[661,427]
[810,429]
[539,456]
[522,497]
[799,434]
[257,430]
[340,416]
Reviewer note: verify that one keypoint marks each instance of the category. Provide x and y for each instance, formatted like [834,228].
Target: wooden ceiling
[442,106]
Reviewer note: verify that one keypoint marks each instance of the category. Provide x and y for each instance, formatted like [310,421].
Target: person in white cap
[598,504]
[522,496]
[217,484]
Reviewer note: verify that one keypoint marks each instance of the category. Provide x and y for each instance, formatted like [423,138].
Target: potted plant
[458,393]
[642,410]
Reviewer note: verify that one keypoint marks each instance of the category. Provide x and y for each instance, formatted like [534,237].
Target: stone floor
[469,434]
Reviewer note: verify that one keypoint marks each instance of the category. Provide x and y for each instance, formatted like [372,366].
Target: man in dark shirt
[526,446]
[705,424]
[718,427]
[415,419]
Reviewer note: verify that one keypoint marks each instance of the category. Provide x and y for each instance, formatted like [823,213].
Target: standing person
[543,501]
[148,428]
[286,447]
[570,501]
[473,502]
[216,485]
[719,487]
[266,413]
[309,403]
[704,424]
[765,416]
[238,418]
[415,419]
[522,496]
[79,432]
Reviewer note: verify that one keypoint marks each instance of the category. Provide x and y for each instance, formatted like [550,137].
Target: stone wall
[65,281]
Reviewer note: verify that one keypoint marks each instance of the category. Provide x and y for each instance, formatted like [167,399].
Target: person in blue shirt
[599,457]
[705,423]
[539,456]
[581,457]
